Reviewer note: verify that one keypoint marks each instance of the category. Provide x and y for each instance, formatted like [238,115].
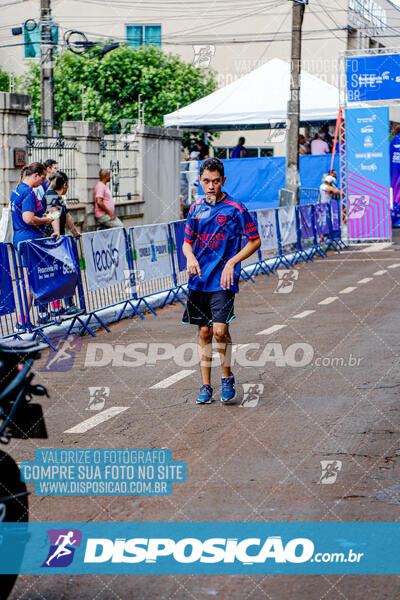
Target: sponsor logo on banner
[267,229]
[62,547]
[105,257]
[152,251]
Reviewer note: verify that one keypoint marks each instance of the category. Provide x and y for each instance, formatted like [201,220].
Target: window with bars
[143,35]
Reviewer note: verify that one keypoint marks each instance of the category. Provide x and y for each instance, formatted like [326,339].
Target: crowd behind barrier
[124,269]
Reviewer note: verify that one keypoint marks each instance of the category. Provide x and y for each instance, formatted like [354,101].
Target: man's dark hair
[49,163]
[241,141]
[212,164]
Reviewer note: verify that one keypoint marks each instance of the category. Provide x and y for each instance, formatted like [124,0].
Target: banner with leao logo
[52,270]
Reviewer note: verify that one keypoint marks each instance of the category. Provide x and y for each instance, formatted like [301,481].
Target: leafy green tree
[113,84]
[4,81]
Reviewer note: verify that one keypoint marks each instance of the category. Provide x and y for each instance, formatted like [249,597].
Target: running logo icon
[63,543]
[286,281]
[330,470]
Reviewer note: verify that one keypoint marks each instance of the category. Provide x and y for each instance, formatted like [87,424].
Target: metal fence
[120,157]
[63,151]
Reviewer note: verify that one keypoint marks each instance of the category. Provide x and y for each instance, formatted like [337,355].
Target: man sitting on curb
[103,203]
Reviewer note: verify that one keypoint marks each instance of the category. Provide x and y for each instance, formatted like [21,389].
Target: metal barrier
[297,238]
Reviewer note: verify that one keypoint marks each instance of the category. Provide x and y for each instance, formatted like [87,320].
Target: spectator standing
[303,146]
[103,203]
[319,146]
[51,167]
[327,189]
[54,204]
[239,151]
[28,218]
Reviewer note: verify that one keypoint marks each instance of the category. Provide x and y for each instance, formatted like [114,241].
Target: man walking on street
[213,237]
[103,203]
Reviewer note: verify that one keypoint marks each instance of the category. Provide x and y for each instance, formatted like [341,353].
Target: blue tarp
[257,181]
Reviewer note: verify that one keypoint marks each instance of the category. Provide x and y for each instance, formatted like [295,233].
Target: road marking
[347,290]
[376,247]
[102,416]
[394,266]
[328,300]
[365,280]
[173,379]
[380,272]
[271,329]
[303,314]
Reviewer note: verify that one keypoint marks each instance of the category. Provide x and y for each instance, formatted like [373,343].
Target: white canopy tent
[259,100]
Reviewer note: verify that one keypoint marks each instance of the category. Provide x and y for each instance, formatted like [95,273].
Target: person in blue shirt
[239,151]
[213,238]
[27,211]
[51,167]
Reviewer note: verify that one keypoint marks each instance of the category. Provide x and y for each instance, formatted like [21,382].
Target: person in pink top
[103,203]
[319,145]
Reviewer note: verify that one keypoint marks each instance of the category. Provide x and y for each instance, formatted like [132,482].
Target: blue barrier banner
[179,230]
[321,219]
[335,215]
[7,302]
[305,222]
[200,548]
[52,270]
[374,77]
[395,178]
[256,181]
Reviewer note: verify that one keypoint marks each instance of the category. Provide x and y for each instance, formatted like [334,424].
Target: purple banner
[179,230]
[321,218]
[335,215]
[306,222]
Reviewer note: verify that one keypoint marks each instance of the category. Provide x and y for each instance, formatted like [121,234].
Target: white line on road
[102,416]
[380,272]
[365,280]
[303,314]
[271,329]
[173,379]
[328,300]
[347,290]
[377,247]
[394,266]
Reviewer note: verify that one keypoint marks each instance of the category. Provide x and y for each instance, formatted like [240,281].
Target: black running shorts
[206,308]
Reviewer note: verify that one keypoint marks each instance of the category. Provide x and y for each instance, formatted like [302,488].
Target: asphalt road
[333,397]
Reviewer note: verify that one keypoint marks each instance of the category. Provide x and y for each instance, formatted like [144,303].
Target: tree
[4,81]
[113,84]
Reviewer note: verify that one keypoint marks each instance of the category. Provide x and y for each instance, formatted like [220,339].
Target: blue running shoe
[228,390]
[205,396]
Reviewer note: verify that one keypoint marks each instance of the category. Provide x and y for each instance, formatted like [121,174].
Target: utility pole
[46,69]
[293,120]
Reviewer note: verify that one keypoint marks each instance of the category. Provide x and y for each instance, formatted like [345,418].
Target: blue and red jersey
[216,235]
